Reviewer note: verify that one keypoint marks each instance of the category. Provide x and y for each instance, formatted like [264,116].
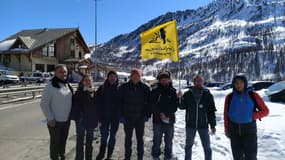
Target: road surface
[24,136]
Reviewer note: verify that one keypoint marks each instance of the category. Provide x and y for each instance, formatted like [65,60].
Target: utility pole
[95,11]
[94,56]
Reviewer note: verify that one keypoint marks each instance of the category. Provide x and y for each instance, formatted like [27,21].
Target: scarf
[55,83]
[90,90]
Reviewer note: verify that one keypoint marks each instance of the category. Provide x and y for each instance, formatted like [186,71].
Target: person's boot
[109,153]
[101,154]
[140,157]
[109,156]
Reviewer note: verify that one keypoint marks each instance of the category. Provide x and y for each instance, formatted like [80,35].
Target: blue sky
[114,16]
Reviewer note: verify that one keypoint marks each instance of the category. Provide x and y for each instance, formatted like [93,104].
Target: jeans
[108,129]
[129,126]
[158,131]
[205,139]
[58,137]
[87,133]
[244,147]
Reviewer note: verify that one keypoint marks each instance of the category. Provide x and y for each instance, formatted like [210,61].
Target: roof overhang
[72,60]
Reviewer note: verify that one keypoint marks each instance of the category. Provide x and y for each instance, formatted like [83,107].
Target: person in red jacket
[241,110]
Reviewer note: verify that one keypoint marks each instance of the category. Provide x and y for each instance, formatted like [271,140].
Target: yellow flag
[160,42]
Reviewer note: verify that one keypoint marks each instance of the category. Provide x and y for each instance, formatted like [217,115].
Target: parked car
[256,85]
[259,85]
[7,77]
[276,92]
[47,76]
[213,84]
[225,86]
[35,77]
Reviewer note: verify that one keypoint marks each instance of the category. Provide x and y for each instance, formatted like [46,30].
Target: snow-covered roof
[123,73]
[35,38]
[5,45]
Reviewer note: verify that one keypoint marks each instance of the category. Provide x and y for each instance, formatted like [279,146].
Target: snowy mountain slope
[218,40]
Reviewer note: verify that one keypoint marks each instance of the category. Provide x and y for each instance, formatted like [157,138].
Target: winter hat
[111,72]
[163,74]
[136,71]
[240,77]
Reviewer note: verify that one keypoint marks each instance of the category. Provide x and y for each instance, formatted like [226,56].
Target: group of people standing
[133,103]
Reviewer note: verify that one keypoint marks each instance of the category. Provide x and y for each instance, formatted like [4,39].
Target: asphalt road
[24,136]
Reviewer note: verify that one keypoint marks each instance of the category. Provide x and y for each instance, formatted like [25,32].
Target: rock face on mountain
[219,40]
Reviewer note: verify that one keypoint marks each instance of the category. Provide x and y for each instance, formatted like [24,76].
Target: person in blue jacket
[242,108]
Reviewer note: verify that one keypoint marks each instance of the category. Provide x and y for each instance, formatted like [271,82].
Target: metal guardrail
[9,92]
[33,91]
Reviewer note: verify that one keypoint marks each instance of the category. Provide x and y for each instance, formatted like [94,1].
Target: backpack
[251,95]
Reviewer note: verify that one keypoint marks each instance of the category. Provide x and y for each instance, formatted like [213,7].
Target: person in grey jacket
[56,105]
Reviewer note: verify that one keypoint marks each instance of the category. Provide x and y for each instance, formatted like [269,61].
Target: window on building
[72,54]
[40,67]
[21,45]
[51,50]
[72,41]
[50,68]
[7,59]
[80,55]
[45,51]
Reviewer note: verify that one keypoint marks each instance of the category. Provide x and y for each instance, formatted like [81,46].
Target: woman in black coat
[84,112]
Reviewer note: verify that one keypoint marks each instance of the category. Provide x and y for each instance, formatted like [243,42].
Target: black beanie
[163,74]
[240,77]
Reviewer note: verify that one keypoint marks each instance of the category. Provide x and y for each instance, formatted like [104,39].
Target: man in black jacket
[134,99]
[164,102]
[109,111]
[200,113]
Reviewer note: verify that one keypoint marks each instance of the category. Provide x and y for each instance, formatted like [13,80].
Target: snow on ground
[271,140]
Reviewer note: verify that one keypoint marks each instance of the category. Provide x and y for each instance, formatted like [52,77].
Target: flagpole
[179,63]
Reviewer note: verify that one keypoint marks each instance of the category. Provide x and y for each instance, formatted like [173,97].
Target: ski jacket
[107,99]
[199,114]
[84,108]
[164,100]
[134,100]
[241,112]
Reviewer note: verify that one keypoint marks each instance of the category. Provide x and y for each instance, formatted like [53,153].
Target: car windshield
[6,72]
[226,86]
[37,74]
[46,75]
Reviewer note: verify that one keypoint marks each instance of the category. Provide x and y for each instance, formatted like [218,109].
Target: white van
[7,77]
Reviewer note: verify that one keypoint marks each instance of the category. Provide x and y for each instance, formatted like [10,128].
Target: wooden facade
[41,50]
